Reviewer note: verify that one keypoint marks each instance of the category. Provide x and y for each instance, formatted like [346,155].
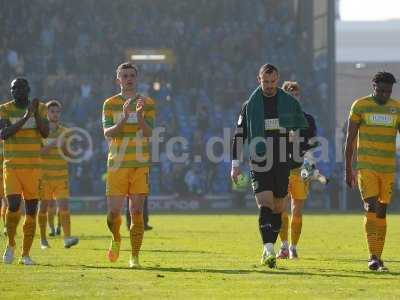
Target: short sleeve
[150,112]
[355,113]
[398,117]
[107,117]
[3,113]
[43,111]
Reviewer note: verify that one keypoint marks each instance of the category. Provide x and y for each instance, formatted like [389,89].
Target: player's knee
[136,210]
[370,205]
[297,212]
[113,214]
[43,207]
[113,210]
[31,207]
[14,202]
[278,208]
[297,208]
[64,210]
[381,210]
[63,206]
[280,204]
[264,216]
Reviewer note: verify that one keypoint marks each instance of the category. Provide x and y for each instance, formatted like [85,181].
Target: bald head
[20,89]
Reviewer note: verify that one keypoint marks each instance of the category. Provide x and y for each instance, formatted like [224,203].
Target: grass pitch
[208,257]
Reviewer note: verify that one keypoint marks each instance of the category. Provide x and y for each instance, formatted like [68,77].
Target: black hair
[20,79]
[384,77]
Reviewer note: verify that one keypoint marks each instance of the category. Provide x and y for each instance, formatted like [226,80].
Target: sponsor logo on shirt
[381,120]
[29,124]
[132,119]
[272,124]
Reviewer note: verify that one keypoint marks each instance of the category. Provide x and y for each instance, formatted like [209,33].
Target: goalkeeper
[264,122]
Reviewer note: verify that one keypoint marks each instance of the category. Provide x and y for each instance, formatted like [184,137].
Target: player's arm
[352,132]
[143,125]
[308,134]
[239,138]
[7,129]
[311,131]
[109,128]
[61,142]
[353,126]
[398,124]
[46,149]
[42,123]
[65,148]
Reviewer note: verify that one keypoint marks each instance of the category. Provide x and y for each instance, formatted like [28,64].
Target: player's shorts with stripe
[23,182]
[276,179]
[376,184]
[127,181]
[54,189]
[298,188]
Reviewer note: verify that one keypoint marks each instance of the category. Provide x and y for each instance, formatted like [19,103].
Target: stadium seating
[73,58]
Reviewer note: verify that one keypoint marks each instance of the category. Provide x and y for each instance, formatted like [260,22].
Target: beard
[269,92]
[381,100]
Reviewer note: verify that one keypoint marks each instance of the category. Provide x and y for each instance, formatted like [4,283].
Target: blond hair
[290,86]
[127,65]
[53,103]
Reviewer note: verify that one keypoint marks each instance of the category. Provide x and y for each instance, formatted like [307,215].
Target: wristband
[235,163]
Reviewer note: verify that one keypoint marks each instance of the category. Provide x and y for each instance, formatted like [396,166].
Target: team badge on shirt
[29,124]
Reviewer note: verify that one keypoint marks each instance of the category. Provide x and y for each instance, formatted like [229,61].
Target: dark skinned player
[23,124]
[374,120]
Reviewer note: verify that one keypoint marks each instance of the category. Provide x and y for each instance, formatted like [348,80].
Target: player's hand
[35,105]
[350,177]
[139,107]
[235,172]
[291,136]
[44,150]
[126,109]
[32,108]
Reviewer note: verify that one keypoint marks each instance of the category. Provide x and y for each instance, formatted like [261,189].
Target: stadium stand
[73,57]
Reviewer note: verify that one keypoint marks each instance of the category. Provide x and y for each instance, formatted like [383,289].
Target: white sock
[285,245]
[269,248]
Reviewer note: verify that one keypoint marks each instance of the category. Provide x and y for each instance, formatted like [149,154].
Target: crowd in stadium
[217,58]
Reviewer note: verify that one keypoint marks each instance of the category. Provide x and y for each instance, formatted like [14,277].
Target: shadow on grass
[336,259]
[364,272]
[279,271]
[94,237]
[328,273]
[354,260]
[108,237]
[157,251]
